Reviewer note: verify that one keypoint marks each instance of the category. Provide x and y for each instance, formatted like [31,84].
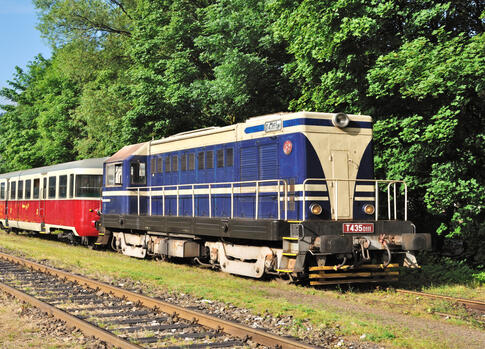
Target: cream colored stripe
[365,188]
[364,198]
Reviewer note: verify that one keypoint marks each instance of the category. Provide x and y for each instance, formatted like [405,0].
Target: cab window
[138,172]
[114,174]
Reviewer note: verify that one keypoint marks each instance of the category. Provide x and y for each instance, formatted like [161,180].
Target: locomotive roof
[87,163]
[230,132]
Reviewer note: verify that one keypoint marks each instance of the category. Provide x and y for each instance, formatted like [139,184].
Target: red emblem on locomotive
[287,147]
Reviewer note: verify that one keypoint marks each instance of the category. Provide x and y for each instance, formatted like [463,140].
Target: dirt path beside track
[455,336]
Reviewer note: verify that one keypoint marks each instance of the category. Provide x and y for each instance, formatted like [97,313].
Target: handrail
[280,183]
[376,183]
[234,186]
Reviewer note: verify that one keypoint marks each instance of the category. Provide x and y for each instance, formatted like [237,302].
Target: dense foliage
[126,71]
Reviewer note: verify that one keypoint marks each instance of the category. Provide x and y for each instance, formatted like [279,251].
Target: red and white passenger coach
[61,198]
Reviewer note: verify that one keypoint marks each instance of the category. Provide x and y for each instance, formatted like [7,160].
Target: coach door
[43,196]
[4,202]
[340,170]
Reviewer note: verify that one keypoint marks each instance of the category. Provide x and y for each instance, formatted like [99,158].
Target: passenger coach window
[36,188]
[71,185]
[88,186]
[220,158]
[229,157]
[13,190]
[2,191]
[114,174]
[138,172]
[209,160]
[63,187]
[28,189]
[52,187]
[21,190]
[183,162]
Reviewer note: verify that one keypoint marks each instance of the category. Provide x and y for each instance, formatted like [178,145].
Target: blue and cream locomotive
[287,193]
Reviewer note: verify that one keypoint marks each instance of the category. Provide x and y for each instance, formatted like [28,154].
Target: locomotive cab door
[340,171]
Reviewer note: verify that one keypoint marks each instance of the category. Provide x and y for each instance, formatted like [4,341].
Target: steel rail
[470,303]
[226,326]
[85,327]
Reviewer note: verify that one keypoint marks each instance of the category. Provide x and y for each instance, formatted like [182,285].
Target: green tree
[37,129]
[201,63]
[417,67]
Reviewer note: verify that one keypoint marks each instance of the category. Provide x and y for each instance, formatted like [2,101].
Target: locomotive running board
[348,274]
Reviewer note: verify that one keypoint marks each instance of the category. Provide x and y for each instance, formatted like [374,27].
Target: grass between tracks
[323,308]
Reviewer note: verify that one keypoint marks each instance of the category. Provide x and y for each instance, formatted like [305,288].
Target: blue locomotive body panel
[177,184]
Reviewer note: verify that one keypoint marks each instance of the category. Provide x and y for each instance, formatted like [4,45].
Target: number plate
[358,227]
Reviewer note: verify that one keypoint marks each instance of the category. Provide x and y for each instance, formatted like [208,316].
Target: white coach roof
[88,163]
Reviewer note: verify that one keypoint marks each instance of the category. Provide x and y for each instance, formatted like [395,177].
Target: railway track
[468,303]
[123,318]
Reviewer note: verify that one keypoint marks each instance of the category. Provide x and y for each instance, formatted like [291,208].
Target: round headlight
[340,120]
[369,209]
[316,209]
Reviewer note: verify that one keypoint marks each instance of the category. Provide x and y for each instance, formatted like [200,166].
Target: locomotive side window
[52,187]
[209,159]
[200,160]
[114,174]
[167,164]
[229,157]
[71,185]
[159,165]
[138,172]
[36,188]
[63,187]
[183,162]
[2,191]
[21,190]
[153,165]
[88,186]
[175,163]
[13,190]
[220,158]
[191,161]
[28,189]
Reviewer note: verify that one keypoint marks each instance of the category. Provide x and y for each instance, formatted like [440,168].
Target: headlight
[340,120]
[316,209]
[369,209]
